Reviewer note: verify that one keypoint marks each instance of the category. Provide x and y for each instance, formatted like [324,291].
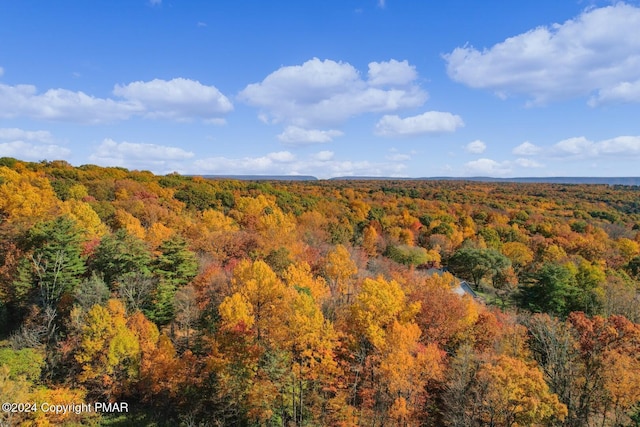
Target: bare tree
[135,290]
[187,310]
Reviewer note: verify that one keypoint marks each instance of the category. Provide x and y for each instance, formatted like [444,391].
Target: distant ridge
[263,177]
[540,180]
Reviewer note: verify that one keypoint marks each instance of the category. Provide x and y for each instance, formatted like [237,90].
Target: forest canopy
[224,302]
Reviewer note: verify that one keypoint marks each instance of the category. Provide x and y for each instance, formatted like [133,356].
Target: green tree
[475,264]
[554,290]
[175,266]
[411,255]
[119,255]
[589,281]
[55,263]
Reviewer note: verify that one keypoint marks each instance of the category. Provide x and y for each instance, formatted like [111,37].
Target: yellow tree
[255,339]
[378,322]
[109,351]
[86,217]
[510,392]
[378,304]
[311,341]
[370,240]
[267,296]
[406,367]
[340,269]
[519,254]
[298,276]
[216,221]
[26,196]
[124,220]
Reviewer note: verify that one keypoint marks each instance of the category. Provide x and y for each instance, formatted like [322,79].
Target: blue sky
[325,88]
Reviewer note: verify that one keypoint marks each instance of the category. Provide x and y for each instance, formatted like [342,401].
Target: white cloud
[176,99]
[576,146]
[326,92]
[322,165]
[391,73]
[155,2]
[282,157]
[476,147]
[179,99]
[298,135]
[1,71]
[528,163]
[29,135]
[29,151]
[487,167]
[622,92]
[61,104]
[30,145]
[381,3]
[138,155]
[597,51]
[526,149]
[323,156]
[429,122]
[621,147]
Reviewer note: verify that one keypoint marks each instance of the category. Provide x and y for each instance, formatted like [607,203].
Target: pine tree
[55,264]
[176,266]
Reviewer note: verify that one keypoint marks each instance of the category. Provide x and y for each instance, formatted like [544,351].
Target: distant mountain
[544,180]
[263,177]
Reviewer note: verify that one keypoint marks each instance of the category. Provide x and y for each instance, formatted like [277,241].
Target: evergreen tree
[54,264]
[175,266]
[121,255]
[554,291]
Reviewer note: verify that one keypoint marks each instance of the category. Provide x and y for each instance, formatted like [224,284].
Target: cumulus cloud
[175,99]
[319,93]
[487,167]
[298,135]
[624,92]
[526,149]
[62,105]
[596,51]
[30,145]
[29,135]
[621,146]
[281,157]
[158,158]
[391,73]
[179,99]
[430,122]
[574,146]
[476,147]
[30,151]
[321,164]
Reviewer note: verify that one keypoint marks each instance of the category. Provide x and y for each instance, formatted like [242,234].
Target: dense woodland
[229,303]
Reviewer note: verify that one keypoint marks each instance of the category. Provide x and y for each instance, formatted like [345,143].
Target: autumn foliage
[337,303]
